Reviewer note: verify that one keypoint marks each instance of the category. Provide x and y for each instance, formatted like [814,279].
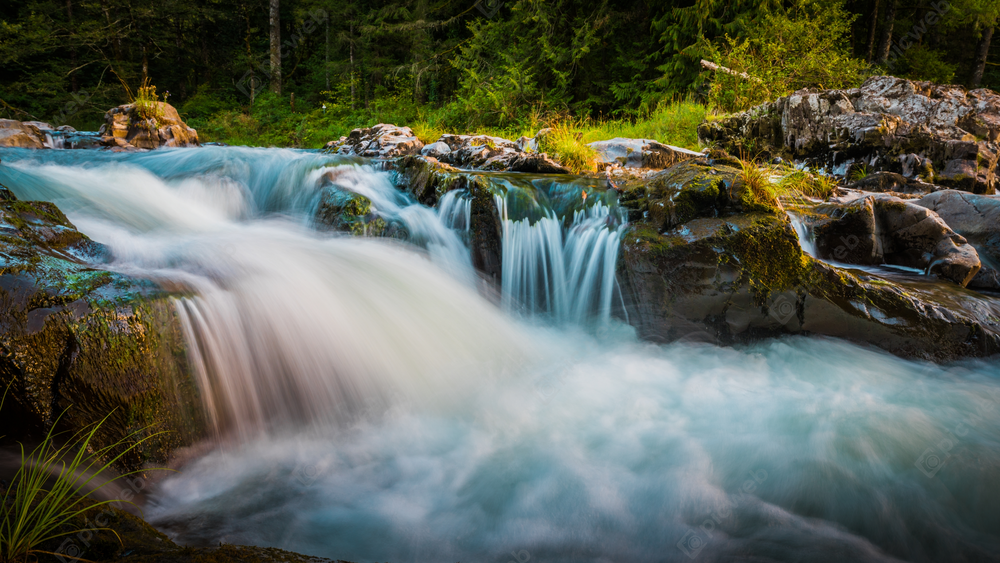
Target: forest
[299,72]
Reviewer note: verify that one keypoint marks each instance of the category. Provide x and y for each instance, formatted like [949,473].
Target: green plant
[859,173]
[801,183]
[759,194]
[33,512]
[568,148]
[804,46]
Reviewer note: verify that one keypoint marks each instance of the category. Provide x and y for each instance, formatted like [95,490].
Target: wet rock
[977,218]
[424,178]
[17,134]
[380,141]
[125,128]
[78,339]
[882,229]
[640,153]
[942,134]
[725,273]
[340,209]
[890,182]
[126,537]
[693,188]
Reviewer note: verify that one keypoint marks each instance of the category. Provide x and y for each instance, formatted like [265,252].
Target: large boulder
[85,343]
[381,141]
[126,127]
[942,134]
[977,218]
[340,209]
[20,134]
[726,273]
[639,153]
[877,229]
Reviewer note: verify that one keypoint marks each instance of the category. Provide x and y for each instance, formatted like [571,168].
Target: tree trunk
[350,42]
[326,56]
[275,48]
[886,43]
[873,27]
[72,48]
[981,54]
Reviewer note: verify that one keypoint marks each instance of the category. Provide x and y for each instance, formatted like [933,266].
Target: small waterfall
[567,273]
[806,240]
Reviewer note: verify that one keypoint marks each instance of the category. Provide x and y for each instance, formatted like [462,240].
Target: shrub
[805,46]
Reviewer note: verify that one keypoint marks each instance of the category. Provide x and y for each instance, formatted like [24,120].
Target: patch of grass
[567,147]
[35,512]
[802,183]
[759,193]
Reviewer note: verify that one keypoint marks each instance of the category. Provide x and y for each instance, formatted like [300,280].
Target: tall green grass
[50,487]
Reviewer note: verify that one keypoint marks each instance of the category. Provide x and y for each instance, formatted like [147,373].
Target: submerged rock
[124,128]
[83,342]
[940,133]
[380,141]
[340,209]
[698,263]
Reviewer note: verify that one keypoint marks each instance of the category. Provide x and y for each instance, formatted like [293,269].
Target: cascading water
[383,410]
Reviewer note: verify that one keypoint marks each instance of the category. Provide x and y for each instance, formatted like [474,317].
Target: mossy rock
[690,189]
[83,343]
[742,277]
[424,178]
[348,212]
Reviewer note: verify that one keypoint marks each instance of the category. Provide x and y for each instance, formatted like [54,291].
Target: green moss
[769,256]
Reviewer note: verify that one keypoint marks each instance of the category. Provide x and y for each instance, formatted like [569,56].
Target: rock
[941,133]
[977,218]
[424,178]
[381,141]
[436,150]
[78,339]
[125,536]
[882,229]
[890,182]
[495,153]
[725,274]
[340,209]
[125,128]
[17,134]
[693,188]
[40,125]
[640,153]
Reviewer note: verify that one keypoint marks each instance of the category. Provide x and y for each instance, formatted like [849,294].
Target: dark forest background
[463,64]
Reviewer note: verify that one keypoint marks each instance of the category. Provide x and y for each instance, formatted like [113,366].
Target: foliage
[35,512]
[802,183]
[801,47]
[566,146]
[759,194]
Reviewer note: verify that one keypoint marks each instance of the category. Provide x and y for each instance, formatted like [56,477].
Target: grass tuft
[35,512]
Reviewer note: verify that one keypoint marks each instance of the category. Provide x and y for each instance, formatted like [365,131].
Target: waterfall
[567,273]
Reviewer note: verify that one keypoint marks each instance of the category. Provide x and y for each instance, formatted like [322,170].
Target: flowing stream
[370,404]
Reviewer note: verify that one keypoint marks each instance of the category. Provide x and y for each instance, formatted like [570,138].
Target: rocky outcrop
[483,152]
[82,342]
[716,268]
[942,134]
[20,134]
[639,153]
[977,218]
[381,141]
[158,125]
[882,229]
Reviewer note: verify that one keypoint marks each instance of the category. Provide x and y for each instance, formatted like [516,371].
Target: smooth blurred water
[371,406]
